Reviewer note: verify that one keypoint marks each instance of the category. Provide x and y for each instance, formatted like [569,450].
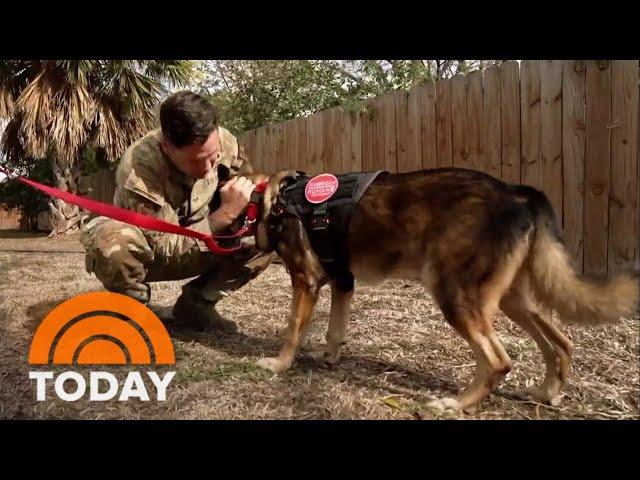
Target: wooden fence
[100,185]
[11,219]
[569,128]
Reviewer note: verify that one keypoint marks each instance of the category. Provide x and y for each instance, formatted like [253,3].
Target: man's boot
[200,314]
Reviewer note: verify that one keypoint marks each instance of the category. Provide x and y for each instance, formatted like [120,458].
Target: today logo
[98,328]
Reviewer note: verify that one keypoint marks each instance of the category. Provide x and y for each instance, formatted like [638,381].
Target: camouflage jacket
[148,182]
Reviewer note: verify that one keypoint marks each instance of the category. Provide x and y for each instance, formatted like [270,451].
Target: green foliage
[252,93]
[15,194]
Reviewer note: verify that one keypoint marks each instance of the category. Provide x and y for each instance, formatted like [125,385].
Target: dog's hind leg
[471,310]
[492,361]
[520,306]
[338,321]
[304,300]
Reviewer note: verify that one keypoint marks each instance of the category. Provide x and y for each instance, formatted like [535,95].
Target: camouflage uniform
[125,258]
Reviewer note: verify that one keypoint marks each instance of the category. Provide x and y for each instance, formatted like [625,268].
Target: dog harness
[324,204]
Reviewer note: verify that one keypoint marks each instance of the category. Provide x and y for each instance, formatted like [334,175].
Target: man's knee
[118,254]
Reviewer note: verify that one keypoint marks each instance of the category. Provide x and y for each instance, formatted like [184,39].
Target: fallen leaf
[392,402]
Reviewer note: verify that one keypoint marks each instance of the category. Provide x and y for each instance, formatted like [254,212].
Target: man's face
[198,159]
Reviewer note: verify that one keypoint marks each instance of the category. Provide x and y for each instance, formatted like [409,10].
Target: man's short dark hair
[187,118]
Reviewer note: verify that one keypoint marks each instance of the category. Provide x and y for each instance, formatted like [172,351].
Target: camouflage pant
[123,260]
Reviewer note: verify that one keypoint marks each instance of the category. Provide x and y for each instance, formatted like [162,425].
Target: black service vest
[327,223]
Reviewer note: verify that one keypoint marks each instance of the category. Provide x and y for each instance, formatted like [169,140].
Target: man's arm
[167,245]
[235,196]
[220,220]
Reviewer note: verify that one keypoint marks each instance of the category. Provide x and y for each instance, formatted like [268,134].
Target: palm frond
[12,146]
[176,72]
[9,84]
[35,104]
[110,134]
[73,111]
[65,105]
[76,71]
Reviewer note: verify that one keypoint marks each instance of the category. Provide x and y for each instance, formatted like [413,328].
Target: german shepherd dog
[476,244]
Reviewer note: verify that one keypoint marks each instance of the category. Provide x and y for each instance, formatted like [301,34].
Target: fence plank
[475,118]
[623,237]
[285,154]
[492,163]
[366,145]
[443,123]
[426,95]
[332,150]
[300,152]
[530,111]
[251,146]
[384,134]
[390,139]
[279,154]
[378,134]
[551,133]
[294,145]
[354,159]
[269,149]
[10,219]
[573,148]
[246,145]
[459,140]
[408,131]
[510,119]
[313,164]
[259,159]
[597,167]
[345,142]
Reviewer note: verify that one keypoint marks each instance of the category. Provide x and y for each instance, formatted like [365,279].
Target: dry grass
[400,355]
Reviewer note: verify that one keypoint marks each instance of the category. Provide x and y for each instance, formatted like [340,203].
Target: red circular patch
[321,188]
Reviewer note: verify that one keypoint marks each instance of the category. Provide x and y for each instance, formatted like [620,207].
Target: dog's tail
[558,286]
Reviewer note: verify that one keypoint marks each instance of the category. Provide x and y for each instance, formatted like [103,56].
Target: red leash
[145,221]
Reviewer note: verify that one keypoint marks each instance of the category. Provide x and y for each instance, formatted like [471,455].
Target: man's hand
[234,198]
[235,195]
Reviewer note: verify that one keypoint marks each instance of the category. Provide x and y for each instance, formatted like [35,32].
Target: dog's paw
[273,364]
[323,355]
[442,404]
[541,395]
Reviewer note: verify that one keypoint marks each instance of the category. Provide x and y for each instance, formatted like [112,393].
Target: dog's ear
[277,182]
[285,178]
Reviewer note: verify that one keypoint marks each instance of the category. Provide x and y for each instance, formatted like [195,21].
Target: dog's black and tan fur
[477,244]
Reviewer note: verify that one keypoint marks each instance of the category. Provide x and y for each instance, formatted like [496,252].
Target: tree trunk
[66,218]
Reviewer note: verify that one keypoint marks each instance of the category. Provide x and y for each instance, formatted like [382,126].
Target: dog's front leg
[338,320]
[305,296]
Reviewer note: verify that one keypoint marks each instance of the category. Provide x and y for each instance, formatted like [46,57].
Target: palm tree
[58,108]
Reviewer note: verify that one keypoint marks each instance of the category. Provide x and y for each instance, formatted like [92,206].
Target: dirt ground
[400,354]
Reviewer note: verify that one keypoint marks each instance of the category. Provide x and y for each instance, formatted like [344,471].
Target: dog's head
[265,232]
[224,175]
